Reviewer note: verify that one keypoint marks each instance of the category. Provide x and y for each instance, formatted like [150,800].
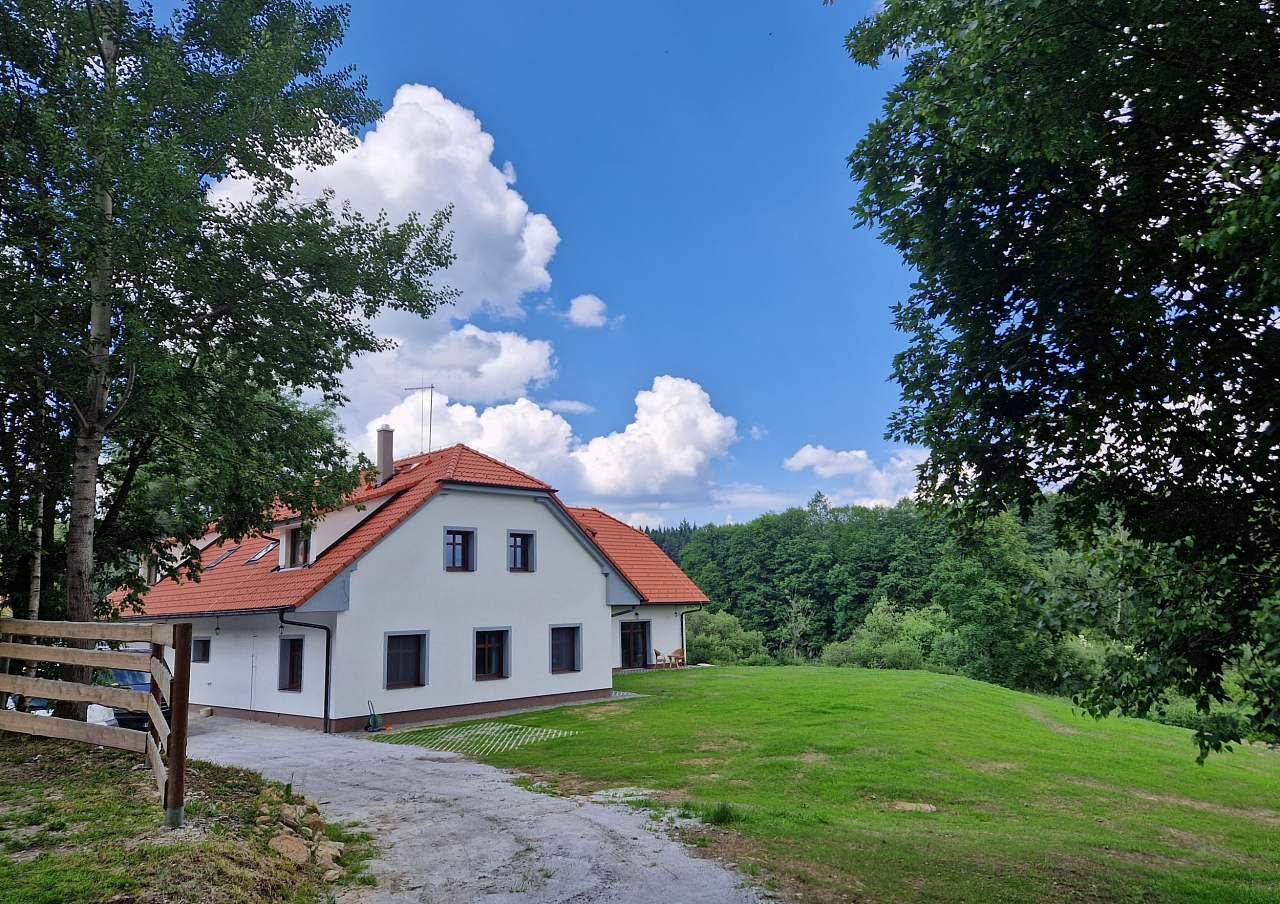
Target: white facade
[401,585]
[664,630]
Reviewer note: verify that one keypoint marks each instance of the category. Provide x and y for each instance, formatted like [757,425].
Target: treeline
[880,587]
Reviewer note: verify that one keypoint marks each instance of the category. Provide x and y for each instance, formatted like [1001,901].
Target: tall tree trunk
[92,420]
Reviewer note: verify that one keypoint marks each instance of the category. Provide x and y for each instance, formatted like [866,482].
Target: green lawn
[828,767]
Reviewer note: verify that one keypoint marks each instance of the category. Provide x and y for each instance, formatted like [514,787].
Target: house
[453,584]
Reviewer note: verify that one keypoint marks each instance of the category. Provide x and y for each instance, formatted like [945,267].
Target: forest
[901,587]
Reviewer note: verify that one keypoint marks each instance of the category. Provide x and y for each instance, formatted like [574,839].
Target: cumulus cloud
[427,153]
[667,448]
[474,365]
[871,485]
[641,520]
[665,452]
[587,311]
[570,406]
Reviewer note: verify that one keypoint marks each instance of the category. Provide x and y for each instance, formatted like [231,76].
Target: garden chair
[660,661]
[677,658]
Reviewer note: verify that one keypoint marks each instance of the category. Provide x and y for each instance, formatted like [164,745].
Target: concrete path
[456,831]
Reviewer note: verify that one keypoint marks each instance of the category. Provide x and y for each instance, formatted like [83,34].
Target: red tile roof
[234,585]
[641,561]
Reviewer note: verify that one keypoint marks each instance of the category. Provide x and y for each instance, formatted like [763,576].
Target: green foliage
[1089,195]
[168,302]
[719,638]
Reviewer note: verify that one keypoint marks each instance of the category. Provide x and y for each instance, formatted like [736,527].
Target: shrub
[719,638]
[721,814]
[893,639]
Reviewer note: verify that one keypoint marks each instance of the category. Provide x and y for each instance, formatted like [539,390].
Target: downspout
[328,661]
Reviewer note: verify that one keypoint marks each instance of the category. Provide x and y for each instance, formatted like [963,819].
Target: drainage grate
[477,739]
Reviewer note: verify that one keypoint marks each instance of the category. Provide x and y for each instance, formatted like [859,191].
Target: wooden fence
[164,744]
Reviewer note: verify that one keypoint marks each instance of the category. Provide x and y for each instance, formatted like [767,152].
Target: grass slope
[84,824]
[829,769]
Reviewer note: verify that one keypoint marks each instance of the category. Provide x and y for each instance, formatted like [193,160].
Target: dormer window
[299,550]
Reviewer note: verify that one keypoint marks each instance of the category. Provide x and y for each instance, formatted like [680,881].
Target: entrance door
[635,644]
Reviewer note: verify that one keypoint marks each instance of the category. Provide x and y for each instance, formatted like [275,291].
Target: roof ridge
[501,463]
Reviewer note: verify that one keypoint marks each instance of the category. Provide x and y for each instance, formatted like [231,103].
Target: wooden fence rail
[164,744]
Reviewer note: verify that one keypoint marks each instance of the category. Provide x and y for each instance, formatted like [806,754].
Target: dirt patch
[814,758]
[601,711]
[987,767]
[789,875]
[1054,726]
[702,761]
[910,806]
[1258,815]
[722,744]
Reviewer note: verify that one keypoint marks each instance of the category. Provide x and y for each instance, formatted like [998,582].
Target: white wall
[328,530]
[664,630]
[243,670]
[401,585]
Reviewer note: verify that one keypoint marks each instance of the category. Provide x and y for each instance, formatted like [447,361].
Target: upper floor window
[459,550]
[519,551]
[299,547]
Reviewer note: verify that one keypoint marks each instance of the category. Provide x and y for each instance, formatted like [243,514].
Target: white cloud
[426,153]
[871,485]
[751,496]
[666,452]
[474,365]
[570,406]
[587,311]
[827,462]
[641,520]
[757,432]
[666,449]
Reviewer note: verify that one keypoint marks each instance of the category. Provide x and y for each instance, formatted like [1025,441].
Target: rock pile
[297,833]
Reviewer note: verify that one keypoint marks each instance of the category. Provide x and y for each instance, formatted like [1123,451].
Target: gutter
[328,662]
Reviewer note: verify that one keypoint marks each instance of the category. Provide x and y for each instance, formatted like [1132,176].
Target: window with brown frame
[459,550]
[406,660]
[200,649]
[491,655]
[291,663]
[299,547]
[565,649]
[519,552]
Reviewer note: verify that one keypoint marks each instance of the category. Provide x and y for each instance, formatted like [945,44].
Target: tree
[1090,196]
[167,333]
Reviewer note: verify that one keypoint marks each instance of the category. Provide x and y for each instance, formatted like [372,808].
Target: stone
[306,833]
[332,875]
[334,847]
[292,813]
[314,822]
[264,820]
[291,848]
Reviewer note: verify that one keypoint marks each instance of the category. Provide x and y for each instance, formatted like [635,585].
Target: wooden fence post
[180,690]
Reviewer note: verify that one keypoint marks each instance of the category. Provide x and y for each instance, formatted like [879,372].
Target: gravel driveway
[452,830]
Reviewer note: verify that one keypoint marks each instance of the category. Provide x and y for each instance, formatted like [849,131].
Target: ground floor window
[199,649]
[566,648]
[290,663]
[492,654]
[406,660]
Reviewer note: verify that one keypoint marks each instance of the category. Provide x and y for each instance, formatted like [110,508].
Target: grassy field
[845,784]
[82,824]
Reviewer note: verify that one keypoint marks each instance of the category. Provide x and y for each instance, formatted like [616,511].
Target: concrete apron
[452,830]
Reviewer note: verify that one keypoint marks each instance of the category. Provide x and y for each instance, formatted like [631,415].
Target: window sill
[401,687]
[451,569]
[290,690]
[565,671]
[491,677]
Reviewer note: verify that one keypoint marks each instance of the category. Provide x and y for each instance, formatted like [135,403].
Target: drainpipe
[328,661]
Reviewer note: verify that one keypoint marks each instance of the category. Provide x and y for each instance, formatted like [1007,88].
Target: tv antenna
[429,388]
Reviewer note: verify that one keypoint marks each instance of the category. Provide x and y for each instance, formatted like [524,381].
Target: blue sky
[691,160]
